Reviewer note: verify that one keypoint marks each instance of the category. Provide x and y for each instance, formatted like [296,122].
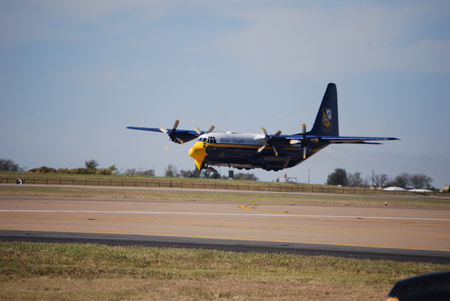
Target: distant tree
[130,171]
[355,180]
[216,175]
[402,180]
[210,174]
[190,173]
[195,173]
[113,168]
[245,176]
[171,171]
[134,171]
[91,164]
[9,165]
[148,172]
[420,181]
[338,177]
[380,180]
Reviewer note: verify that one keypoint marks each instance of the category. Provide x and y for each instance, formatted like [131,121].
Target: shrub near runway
[42,271]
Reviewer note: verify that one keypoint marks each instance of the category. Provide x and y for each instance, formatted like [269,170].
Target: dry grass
[39,271]
[167,194]
[31,271]
[199,183]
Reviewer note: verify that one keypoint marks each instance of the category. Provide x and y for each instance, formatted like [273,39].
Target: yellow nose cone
[198,152]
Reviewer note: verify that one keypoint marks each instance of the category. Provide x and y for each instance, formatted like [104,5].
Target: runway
[416,234]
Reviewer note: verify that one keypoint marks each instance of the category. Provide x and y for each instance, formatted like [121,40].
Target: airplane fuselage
[240,150]
[269,152]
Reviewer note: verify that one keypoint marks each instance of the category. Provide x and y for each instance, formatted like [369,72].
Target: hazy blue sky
[75,74]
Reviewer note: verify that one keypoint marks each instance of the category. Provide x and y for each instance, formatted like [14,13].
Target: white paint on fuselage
[233,138]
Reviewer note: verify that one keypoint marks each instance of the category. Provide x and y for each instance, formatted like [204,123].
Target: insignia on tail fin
[327,121]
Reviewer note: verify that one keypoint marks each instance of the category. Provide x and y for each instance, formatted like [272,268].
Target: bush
[43,169]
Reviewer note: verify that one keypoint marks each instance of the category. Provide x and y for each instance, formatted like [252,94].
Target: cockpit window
[208,140]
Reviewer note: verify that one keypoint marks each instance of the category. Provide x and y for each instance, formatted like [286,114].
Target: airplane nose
[198,152]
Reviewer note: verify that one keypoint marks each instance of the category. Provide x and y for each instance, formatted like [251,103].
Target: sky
[75,74]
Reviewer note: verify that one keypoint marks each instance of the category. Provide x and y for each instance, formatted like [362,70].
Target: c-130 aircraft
[269,152]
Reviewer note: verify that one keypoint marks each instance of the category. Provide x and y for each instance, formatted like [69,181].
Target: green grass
[42,271]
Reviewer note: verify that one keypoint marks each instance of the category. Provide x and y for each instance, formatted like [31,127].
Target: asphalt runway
[404,234]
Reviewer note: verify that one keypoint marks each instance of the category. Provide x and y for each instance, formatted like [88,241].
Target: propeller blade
[197,129]
[304,141]
[175,125]
[266,136]
[162,129]
[261,148]
[167,146]
[275,150]
[276,135]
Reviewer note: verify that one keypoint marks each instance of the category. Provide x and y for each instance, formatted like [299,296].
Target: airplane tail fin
[327,121]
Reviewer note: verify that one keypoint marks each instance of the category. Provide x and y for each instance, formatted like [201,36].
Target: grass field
[243,197]
[195,183]
[41,271]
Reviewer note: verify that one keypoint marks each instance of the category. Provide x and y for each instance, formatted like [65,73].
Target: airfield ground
[43,271]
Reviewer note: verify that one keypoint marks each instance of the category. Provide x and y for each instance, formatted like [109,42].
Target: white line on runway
[232,214]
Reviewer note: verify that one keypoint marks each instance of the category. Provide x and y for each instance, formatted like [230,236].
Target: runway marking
[227,224]
[249,239]
[278,214]
[345,216]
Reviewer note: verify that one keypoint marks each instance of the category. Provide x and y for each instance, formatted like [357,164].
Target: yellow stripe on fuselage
[201,147]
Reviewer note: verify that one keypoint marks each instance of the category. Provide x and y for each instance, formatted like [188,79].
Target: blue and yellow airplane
[269,152]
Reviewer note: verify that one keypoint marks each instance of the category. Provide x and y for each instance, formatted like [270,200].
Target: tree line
[404,180]
[91,167]
[172,171]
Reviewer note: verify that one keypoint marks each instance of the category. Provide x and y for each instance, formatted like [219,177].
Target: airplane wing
[360,140]
[297,139]
[177,136]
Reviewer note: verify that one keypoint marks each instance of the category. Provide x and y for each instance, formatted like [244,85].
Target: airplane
[261,150]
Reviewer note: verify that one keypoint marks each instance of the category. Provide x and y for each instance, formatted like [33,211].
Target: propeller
[269,141]
[304,141]
[172,135]
[197,129]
